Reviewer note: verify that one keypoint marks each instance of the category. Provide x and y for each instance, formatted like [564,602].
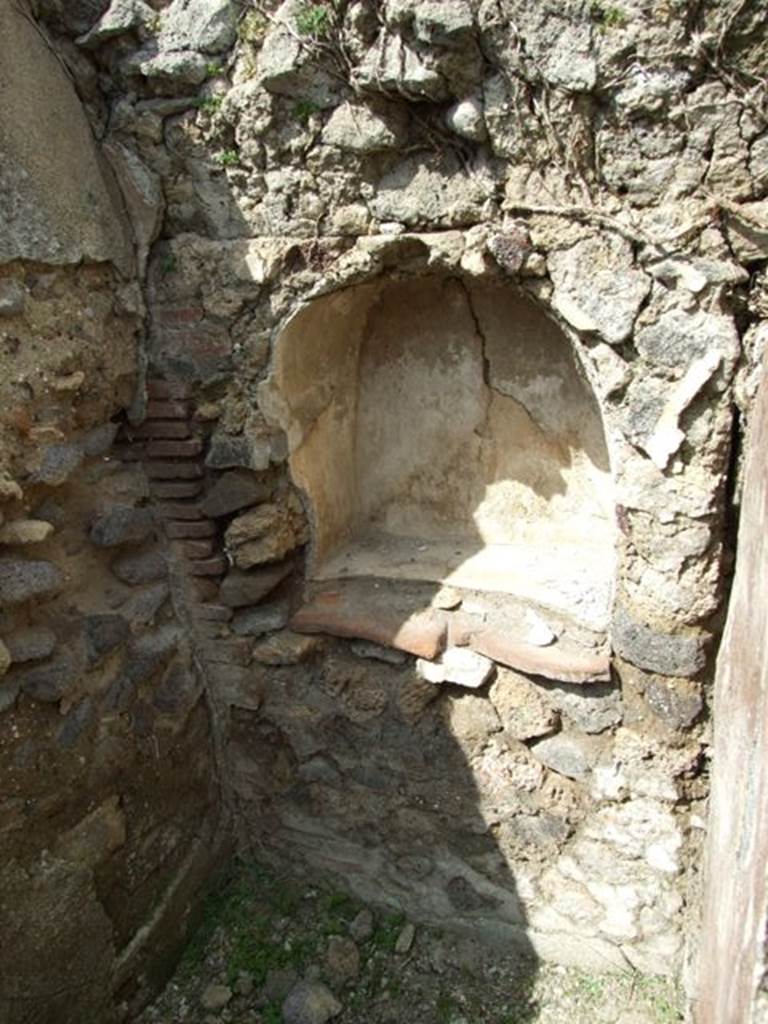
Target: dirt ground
[261,934]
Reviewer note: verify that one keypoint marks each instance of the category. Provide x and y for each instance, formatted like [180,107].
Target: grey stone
[215,997]
[13,296]
[404,940]
[677,702]
[209,26]
[310,1002]
[143,607]
[145,567]
[358,128]
[592,709]
[103,634]
[144,658]
[227,451]
[31,644]
[467,120]
[239,589]
[75,723]
[392,66]
[143,194]
[463,895]
[178,688]
[678,337]
[176,70]
[570,754]
[122,524]
[262,619]
[419,191]
[58,463]
[120,17]
[99,440]
[342,960]
[286,66]
[234,490]
[51,681]
[56,206]
[361,926]
[658,652]
[25,580]
[596,287]
[9,692]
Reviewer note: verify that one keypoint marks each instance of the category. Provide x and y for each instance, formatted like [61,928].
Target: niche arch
[444,430]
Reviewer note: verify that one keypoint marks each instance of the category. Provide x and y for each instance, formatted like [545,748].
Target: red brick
[175,429]
[215,566]
[170,410]
[175,449]
[175,488]
[180,510]
[197,548]
[190,531]
[554,662]
[367,610]
[213,612]
[181,315]
[127,452]
[173,470]
[157,388]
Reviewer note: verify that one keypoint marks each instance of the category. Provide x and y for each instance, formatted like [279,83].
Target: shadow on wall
[457,478]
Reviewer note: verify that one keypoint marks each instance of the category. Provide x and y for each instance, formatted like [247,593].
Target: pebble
[342,959]
[216,997]
[361,926]
[405,939]
[25,531]
[122,524]
[310,1002]
[31,644]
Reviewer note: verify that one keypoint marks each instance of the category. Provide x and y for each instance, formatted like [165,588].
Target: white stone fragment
[538,633]
[458,665]
[667,435]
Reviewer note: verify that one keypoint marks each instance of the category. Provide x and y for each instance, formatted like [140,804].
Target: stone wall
[505,766]
[109,809]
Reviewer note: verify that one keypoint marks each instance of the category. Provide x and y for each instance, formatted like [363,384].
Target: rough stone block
[658,652]
[25,531]
[458,665]
[570,754]
[122,524]
[235,490]
[264,618]
[245,588]
[145,567]
[58,463]
[286,649]
[677,702]
[51,681]
[30,644]
[228,652]
[103,634]
[521,707]
[25,580]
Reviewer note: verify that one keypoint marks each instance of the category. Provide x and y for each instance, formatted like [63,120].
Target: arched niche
[444,431]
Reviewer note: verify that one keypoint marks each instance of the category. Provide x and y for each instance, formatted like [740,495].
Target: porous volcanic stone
[234,490]
[146,567]
[31,644]
[24,580]
[658,652]
[122,524]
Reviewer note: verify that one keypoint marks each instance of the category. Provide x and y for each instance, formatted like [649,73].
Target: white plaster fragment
[667,435]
